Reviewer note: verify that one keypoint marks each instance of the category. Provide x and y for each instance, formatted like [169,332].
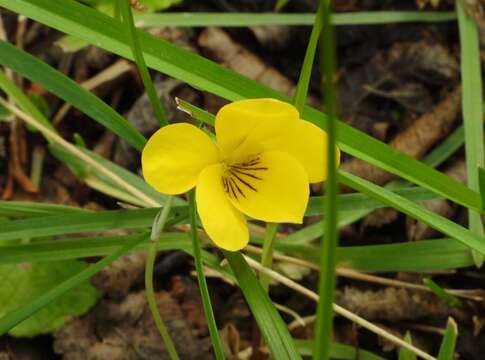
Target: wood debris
[415,140]
[224,50]
[391,304]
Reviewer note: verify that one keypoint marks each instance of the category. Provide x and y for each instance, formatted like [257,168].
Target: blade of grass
[24,312]
[327,279]
[301,92]
[359,201]
[337,351]
[204,290]
[71,43]
[472,108]
[77,222]
[406,354]
[201,73]
[410,208]
[73,248]
[446,148]
[451,300]
[272,327]
[267,255]
[447,348]
[255,19]
[21,209]
[425,255]
[23,101]
[481,181]
[65,88]
[127,16]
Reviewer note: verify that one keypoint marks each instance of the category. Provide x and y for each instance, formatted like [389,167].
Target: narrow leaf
[273,328]
[447,348]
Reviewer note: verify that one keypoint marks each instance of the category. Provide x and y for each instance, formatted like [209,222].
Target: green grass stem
[204,290]
[306,69]
[157,229]
[472,109]
[127,16]
[327,279]
[267,255]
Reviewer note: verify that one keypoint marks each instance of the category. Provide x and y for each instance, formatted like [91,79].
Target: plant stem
[204,291]
[267,255]
[157,229]
[306,69]
[330,237]
[127,16]
[472,111]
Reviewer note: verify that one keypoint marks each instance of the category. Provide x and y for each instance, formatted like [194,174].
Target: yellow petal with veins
[224,224]
[235,121]
[174,157]
[305,141]
[271,186]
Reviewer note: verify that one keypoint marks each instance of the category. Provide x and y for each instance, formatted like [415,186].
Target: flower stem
[267,255]
[330,238]
[157,229]
[204,291]
[126,13]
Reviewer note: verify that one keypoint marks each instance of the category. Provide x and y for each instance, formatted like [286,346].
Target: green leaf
[273,328]
[337,351]
[47,296]
[22,100]
[446,148]
[204,74]
[472,108]
[425,255]
[481,181]
[21,209]
[70,43]
[441,293]
[23,282]
[72,248]
[77,222]
[65,88]
[405,354]
[410,208]
[447,348]
[200,19]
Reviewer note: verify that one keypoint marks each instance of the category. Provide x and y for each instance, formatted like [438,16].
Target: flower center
[240,178]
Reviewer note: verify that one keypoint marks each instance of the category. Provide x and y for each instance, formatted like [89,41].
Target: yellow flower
[261,166]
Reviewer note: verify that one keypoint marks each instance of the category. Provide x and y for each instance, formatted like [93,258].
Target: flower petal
[305,141]
[272,186]
[224,224]
[235,121]
[174,157]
